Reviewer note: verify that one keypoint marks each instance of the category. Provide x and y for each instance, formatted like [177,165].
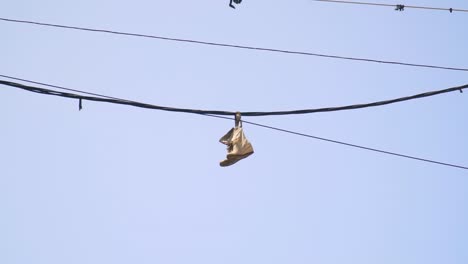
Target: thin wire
[103,98]
[348,144]
[214,114]
[59,87]
[235,46]
[390,5]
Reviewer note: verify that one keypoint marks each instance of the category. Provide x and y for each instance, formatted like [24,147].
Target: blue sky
[116,184]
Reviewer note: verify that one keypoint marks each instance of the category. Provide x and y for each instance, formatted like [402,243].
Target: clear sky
[116,184]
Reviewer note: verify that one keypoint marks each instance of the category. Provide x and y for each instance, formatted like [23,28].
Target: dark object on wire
[220,112]
[235,1]
[392,5]
[235,46]
[400,8]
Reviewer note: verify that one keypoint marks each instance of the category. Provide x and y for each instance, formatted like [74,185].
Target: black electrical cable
[390,5]
[215,114]
[112,100]
[59,87]
[115,100]
[235,46]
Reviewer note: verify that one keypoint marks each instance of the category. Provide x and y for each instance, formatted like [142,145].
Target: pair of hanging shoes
[238,146]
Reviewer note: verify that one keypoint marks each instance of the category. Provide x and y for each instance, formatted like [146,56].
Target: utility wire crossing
[108,99]
[214,114]
[199,42]
[397,7]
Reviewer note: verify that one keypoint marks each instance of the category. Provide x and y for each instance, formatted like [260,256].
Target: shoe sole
[234,156]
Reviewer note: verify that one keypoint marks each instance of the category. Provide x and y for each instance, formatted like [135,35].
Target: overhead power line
[115,100]
[112,100]
[398,7]
[214,114]
[192,41]
[60,87]
[349,144]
